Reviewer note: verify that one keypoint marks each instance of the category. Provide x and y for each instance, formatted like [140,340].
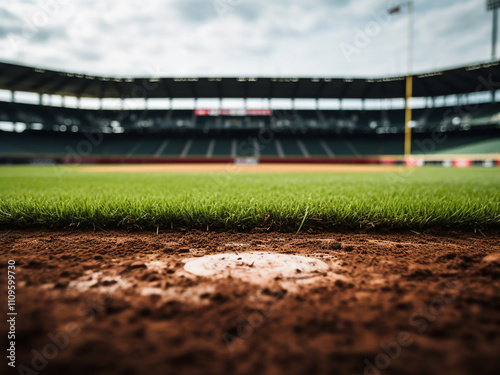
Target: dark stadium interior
[61,132]
[449,82]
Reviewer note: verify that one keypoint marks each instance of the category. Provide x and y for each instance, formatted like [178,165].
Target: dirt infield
[236,168]
[122,303]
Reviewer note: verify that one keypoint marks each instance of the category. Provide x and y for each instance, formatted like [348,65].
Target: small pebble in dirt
[278,294]
[98,257]
[417,271]
[490,266]
[34,264]
[332,245]
[139,332]
[137,265]
[343,284]
[447,256]
[116,306]
[61,284]
[219,298]
[171,244]
[404,306]
[492,258]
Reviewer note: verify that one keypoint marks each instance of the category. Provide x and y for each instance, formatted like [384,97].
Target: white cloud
[238,37]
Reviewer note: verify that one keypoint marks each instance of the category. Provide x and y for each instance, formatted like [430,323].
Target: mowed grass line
[62,197]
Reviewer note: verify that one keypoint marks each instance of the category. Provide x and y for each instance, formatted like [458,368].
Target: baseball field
[253,269]
[287,198]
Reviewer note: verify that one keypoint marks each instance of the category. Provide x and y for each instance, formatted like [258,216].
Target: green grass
[62,197]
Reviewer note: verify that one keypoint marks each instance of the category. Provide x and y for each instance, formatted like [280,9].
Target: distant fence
[484,160]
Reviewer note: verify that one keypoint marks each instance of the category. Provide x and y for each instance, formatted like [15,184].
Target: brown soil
[121,303]
[237,168]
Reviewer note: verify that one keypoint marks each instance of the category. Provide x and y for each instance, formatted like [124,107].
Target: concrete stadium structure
[43,117]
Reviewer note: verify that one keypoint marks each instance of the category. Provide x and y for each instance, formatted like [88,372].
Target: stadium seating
[269,149]
[60,144]
[147,147]
[350,120]
[199,147]
[223,147]
[293,133]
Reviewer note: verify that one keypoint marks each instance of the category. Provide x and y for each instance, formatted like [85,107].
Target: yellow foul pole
[409,81]
[409,89]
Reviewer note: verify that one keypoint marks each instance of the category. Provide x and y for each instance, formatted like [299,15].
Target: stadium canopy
[463,80]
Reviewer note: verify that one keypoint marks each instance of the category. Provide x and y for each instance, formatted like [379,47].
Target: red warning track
[234,168]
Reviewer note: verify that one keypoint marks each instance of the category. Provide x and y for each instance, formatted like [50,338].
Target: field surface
[226,197]
[108,277]
[120,303]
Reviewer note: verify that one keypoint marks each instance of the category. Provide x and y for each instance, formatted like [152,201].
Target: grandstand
[459,113]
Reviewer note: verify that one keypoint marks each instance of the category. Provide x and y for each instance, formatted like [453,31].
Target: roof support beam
[59,86]
[448,82]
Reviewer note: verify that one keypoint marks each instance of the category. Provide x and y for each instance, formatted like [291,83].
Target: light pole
[409,76]
[493,5]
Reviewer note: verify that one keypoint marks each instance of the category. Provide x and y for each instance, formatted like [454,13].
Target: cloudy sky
[242,37]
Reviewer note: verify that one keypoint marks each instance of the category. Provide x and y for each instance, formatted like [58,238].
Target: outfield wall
[488,160]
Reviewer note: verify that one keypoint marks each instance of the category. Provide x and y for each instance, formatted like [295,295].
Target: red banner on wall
[462,163]
[233,112]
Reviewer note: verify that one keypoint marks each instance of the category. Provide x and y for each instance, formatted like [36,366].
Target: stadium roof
[481,77]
